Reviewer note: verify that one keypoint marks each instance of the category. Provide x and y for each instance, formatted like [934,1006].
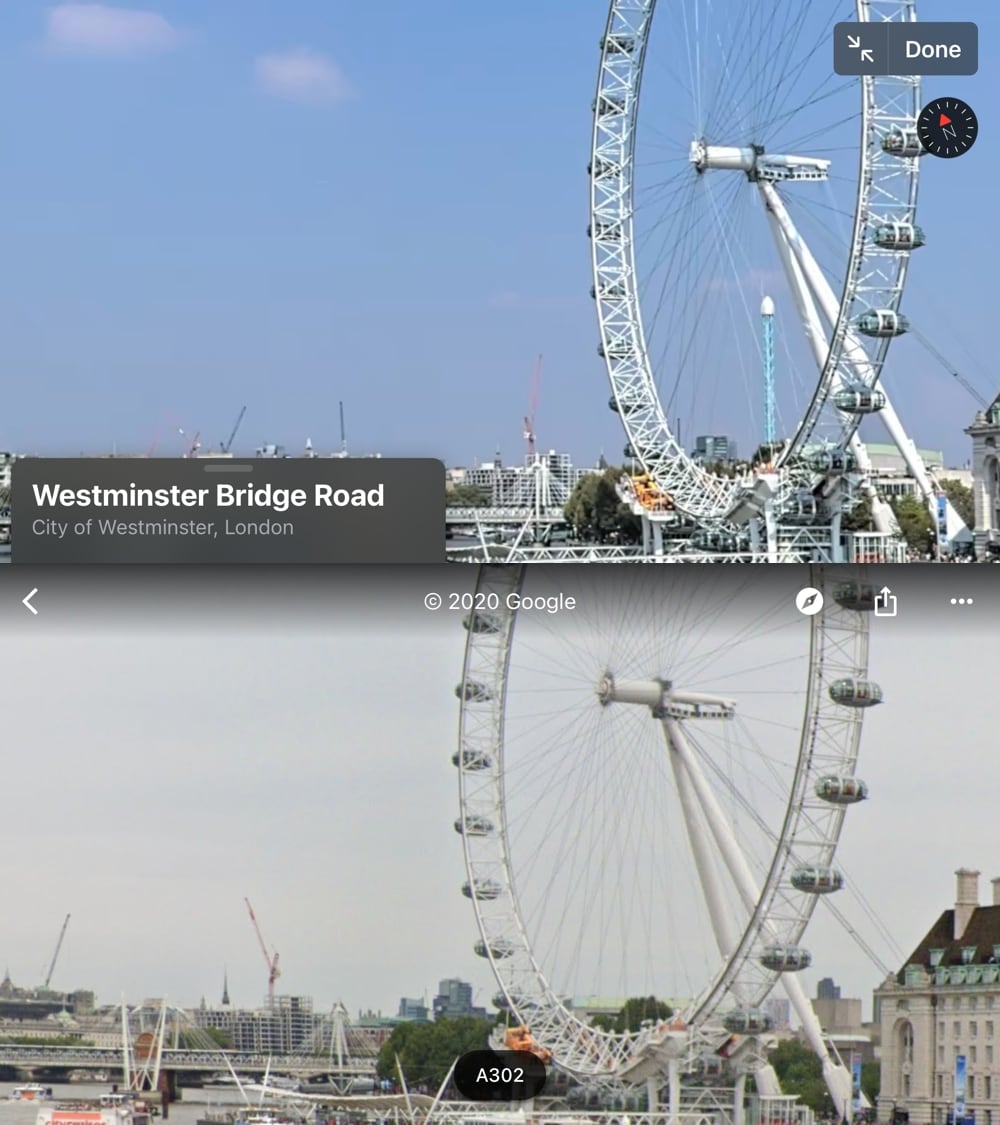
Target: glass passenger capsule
[607,232]
[902,142]
[832,459]
[497,949]
[855,693]
[481,622]
[801,508]
[898,236]
[500,1002]
[482,889]
[785,958]
[474,825]
[473,692]
[859,596]
[817,880]
[859,400]
[622,407]
[882,323]
[616,349]
[841,790]
[472,760]
[608,104]
[747,1021]
[618,44]
[600,169]
[609,290]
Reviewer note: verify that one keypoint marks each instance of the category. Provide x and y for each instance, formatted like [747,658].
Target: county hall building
[945,1003]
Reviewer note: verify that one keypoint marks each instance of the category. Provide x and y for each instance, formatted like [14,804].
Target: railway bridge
[173,1061]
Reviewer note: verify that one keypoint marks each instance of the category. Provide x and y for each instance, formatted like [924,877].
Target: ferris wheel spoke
[684,341]
[778,112]
[735,86]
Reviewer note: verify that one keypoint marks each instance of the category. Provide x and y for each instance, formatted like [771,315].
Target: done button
[933,48]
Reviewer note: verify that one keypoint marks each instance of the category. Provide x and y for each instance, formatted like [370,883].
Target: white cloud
[99,29]
[303,76]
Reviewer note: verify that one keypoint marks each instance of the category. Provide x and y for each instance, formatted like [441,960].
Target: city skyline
[253,237]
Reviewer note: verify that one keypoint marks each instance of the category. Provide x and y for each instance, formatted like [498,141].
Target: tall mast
[767,352]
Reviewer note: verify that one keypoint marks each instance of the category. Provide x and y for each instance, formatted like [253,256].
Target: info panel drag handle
[316,510]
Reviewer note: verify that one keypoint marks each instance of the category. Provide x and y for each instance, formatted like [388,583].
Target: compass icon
[809,601]
[947,127]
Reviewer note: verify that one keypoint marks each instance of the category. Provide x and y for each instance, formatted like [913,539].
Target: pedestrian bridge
[110,1058]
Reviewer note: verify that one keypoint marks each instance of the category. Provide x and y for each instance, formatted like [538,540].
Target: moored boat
[31,1092]
[110,1109]
[249,1115]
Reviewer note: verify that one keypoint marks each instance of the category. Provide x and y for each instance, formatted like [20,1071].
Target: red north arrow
[945,120]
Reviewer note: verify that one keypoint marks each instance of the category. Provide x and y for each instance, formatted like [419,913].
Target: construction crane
[55,956]
[273,972]
[529,418]
[195,443]
[236,429]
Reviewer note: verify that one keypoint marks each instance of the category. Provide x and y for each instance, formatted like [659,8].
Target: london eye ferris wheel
[747,169]
[651,795]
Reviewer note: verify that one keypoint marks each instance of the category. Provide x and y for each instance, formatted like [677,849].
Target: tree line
[596,514]
[425,1051]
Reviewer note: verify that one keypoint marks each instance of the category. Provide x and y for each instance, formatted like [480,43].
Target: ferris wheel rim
[709,499]
[580,1048]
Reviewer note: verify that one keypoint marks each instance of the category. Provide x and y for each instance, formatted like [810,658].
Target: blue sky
[211,204]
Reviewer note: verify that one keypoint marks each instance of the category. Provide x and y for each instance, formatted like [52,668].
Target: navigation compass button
[947,127]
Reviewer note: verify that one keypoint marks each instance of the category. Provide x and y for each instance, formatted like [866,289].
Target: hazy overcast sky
[156,773]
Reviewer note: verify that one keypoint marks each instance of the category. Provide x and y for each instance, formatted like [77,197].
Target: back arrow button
[26,602]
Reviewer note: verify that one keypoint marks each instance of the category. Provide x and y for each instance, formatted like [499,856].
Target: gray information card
[222,510]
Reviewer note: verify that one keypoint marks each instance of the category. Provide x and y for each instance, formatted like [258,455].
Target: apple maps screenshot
[496,509]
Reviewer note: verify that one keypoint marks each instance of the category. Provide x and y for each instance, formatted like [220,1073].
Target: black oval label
[499,1076]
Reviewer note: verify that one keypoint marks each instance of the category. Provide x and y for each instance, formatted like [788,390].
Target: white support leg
[746,885]
[674,1090]
[653,1094]
[771,529]
[838,1078]
[739,1096]
[856,354]
[723,926]
[885,520]
[692,787]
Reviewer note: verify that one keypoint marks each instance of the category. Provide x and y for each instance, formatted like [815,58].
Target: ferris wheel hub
[663,699]
[755,163]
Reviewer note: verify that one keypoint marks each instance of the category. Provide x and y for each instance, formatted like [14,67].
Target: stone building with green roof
[945,1003]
